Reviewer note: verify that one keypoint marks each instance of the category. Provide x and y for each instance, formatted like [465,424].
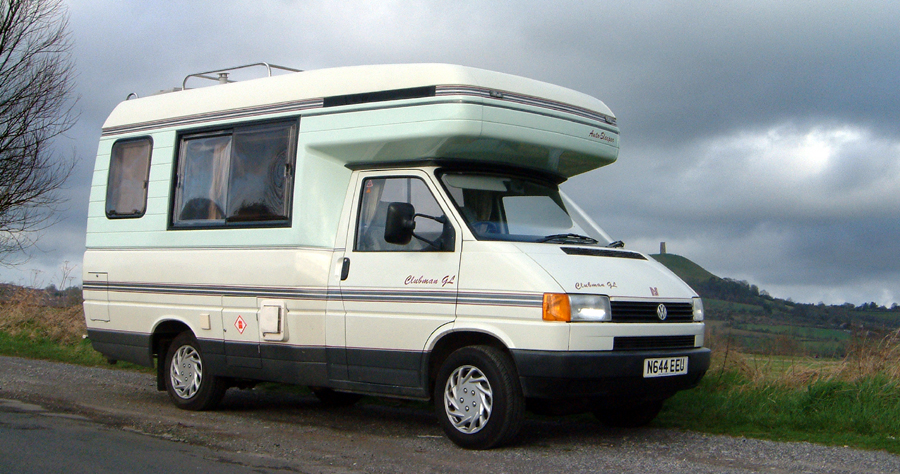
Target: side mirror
[400,223]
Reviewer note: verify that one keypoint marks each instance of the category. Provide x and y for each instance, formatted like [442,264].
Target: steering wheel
[486,227]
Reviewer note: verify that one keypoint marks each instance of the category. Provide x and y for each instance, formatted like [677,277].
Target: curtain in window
[129,169]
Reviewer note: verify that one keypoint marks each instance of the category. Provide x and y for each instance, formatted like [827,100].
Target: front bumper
[604,374]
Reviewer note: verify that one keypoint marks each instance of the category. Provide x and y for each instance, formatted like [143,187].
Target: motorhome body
[392,230]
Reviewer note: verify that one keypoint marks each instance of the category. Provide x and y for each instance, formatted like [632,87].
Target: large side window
[129,173]
[239,176]
[377,194]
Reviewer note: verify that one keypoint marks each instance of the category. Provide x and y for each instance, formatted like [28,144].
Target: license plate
[665,367]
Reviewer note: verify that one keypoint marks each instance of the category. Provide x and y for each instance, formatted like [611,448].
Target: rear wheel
[478,399]
[629,415]
[188,381]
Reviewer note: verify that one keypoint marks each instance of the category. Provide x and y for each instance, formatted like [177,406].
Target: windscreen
[505,207]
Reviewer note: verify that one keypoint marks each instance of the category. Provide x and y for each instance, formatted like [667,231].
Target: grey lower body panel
[378,372]
[124,346]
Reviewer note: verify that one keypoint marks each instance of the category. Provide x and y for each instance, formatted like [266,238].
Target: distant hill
[711,286]
[757,319]
[683,267]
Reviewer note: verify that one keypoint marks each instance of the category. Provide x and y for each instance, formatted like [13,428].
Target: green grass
[41,348]
[761,343]
[862,414]
[772,339]
[715,306]
[19,346]
[804,332]
[891,318]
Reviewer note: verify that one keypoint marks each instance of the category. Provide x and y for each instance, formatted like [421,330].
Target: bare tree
[36,105]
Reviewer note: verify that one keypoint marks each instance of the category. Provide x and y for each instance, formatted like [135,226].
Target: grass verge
[80,353]
[862,414]
[852,402]
[22,346]
[31,329]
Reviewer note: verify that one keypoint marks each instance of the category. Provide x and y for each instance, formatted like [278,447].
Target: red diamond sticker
[240,324]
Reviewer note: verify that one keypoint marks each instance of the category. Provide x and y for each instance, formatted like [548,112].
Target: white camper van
[391,230]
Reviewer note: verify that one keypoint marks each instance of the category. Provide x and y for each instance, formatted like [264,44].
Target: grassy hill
[683,267]
[744,314]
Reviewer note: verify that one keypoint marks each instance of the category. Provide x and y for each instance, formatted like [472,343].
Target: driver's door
[395,296]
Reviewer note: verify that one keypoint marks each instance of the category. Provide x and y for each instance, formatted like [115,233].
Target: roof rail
[222,77]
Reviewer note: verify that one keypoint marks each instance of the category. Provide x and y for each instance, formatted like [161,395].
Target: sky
[759,139]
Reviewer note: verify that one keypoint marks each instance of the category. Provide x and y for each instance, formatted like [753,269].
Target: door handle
[345,269]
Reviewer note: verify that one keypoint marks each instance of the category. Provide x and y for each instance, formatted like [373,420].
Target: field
[752,330]
[752,321]
[853,400]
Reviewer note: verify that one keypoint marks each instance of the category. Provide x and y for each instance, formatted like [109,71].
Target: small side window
[129,173]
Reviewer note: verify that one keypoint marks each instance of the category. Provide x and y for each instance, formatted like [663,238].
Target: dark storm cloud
[678,70]
[806,208]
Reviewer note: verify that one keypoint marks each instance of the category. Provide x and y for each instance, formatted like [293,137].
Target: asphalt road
[55,416]
[34,440]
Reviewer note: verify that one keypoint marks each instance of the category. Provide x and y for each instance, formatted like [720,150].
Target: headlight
[698,309]
[564,307]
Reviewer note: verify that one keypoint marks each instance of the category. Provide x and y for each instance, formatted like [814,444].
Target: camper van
[389,230]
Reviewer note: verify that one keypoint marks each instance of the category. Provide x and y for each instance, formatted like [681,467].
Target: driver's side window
[377,194]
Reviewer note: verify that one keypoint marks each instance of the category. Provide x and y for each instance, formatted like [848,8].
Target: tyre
[188,382]
[629,415]
[331,398]
[478,399]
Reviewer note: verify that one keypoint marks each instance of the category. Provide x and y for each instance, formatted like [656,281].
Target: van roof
[308,89]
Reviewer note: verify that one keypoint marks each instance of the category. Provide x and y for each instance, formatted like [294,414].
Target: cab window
[377,195]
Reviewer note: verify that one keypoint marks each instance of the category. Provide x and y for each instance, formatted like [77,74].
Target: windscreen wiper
[570,238]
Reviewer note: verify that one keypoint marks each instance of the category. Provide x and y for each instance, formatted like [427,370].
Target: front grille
[645,312]
[637,343]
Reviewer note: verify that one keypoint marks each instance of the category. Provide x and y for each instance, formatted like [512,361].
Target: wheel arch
[160,338]
[446,343]
[164,331]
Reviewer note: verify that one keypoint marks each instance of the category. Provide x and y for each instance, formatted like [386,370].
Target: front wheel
[188,381]
[478,399]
